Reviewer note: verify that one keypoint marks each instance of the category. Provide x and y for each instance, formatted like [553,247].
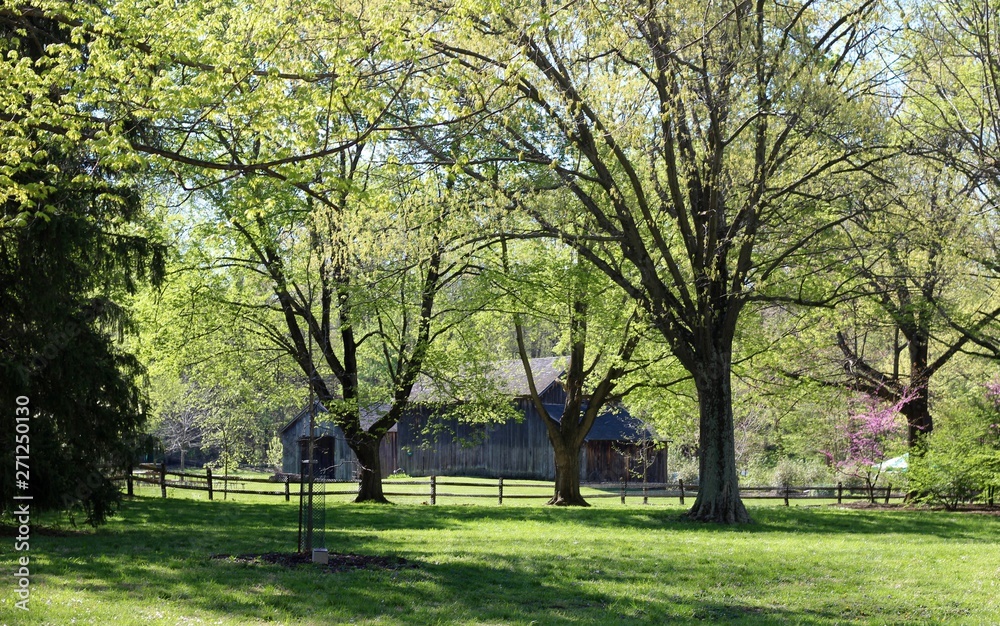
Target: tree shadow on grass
[271,522]
[434,593]
[158,552]
[808,520]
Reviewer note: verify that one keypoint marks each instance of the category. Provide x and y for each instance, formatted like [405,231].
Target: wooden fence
[213,484]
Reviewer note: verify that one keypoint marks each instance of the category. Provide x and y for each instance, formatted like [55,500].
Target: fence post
[208,475]
[288,493]
[840,491]
[163,479]
[623,490]
[128,480]
[888,490]
[786,494]
[500,486]
[434,489]
[680,483]
[645,494]
[991,495]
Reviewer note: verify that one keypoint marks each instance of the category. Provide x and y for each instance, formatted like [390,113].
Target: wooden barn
[618,445]
[422,444]
[334,458]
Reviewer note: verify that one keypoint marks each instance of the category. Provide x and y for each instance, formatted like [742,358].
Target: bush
[954,468]
[686,470]
[799,473]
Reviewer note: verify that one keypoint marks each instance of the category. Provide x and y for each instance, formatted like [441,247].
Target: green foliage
[74,246]
[960,461]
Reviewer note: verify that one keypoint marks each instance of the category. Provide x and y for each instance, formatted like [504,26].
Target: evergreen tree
[70,251]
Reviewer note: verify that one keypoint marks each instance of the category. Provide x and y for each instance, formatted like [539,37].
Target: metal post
[645,471]
[500,486]
[163,479]
[434,490]
[208,474]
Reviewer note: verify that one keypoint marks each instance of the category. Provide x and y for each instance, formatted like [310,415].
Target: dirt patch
[338,562]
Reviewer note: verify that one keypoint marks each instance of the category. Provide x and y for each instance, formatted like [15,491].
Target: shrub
[956,466]
[799,473]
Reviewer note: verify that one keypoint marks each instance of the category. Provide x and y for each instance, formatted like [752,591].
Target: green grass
[518,565]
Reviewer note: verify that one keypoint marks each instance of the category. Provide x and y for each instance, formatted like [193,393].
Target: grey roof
[616,424]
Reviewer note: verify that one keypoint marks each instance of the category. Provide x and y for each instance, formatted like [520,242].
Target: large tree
[704,145]
[73,245]
[929,298]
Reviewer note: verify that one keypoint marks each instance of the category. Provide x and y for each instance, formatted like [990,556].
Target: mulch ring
[338,562]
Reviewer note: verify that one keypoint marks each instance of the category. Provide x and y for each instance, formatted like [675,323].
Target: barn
[334,458]
[422,444]
[617,446]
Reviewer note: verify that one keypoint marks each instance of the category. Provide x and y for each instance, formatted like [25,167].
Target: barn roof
[615,424]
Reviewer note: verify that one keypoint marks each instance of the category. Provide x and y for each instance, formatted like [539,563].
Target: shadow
[158,552]
[804,520]
[165,571]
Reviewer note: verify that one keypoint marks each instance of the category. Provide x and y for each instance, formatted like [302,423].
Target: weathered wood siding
[344,462]
[610,461]
[515,449]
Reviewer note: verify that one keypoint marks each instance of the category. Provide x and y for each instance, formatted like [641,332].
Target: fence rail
[157,474]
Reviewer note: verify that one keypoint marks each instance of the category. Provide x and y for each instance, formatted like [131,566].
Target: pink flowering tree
[869,431]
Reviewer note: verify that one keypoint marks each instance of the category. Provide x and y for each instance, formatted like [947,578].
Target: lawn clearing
[517,565]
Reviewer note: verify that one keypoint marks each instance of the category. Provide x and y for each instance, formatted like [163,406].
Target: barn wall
[345,462]
[291,455]
[512,450]
[609,461]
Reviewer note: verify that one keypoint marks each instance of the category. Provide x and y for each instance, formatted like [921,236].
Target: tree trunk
[371,471]
[567,476]
[917,411]
[718,486]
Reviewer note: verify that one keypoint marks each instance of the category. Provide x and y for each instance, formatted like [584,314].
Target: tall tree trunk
[567,489]
[718,487]
[371,470]
[917,411]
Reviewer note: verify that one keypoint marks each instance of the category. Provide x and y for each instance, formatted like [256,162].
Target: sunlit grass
[519,565]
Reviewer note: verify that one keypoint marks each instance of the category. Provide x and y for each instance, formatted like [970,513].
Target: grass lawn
[611,564]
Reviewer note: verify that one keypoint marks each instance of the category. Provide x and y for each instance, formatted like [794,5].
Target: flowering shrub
[870,432]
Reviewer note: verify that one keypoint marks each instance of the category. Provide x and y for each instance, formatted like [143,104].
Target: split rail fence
[436,488]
